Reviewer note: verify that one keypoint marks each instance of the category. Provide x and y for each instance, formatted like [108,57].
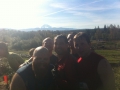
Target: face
[82,46]
[40,64]
[48,44]
[60,46]
[70,40]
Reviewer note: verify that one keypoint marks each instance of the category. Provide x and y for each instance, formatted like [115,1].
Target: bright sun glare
[19,13]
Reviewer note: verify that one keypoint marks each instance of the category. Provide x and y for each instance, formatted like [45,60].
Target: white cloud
[83,8]
[59,5]
[67,8]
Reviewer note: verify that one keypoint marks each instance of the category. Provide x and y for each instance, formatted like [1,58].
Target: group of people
[74,67]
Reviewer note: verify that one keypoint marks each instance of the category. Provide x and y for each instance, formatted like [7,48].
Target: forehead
[41,54]
[80,39]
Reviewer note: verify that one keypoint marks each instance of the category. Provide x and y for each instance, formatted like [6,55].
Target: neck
[40,75]
[87,54]
[73,51]
[62,55]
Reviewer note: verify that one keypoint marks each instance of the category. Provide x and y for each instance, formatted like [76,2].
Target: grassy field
[117,77]
[113,56]
[23,54]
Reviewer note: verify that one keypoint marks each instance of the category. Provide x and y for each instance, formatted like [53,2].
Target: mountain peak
[46,26]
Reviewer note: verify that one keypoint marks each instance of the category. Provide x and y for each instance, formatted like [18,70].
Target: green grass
[110,55]
[20,52]
[23,53]
[117,77]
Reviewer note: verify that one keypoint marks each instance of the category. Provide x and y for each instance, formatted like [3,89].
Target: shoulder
[17,83]
[103,65]
[95,58]
[16,78]
[104,69]
[104,62]
[24,69]
[106,74]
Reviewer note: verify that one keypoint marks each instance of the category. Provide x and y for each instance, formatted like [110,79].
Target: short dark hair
[31,51]
[4,46]
[61,36]
[82,35]
[74,33]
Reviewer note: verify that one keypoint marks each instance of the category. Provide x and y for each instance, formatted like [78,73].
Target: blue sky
[19,14]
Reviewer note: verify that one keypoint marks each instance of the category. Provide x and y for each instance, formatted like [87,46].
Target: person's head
[70,39]
[82,43]
[40,61]
[31,51]
[61,44]
[48,43]
[3,49]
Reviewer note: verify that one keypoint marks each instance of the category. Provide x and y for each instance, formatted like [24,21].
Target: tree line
[22,40]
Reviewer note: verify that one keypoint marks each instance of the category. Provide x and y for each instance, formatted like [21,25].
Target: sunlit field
[113,56]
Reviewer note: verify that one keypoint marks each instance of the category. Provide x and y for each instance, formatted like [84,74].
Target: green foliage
[5,69]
